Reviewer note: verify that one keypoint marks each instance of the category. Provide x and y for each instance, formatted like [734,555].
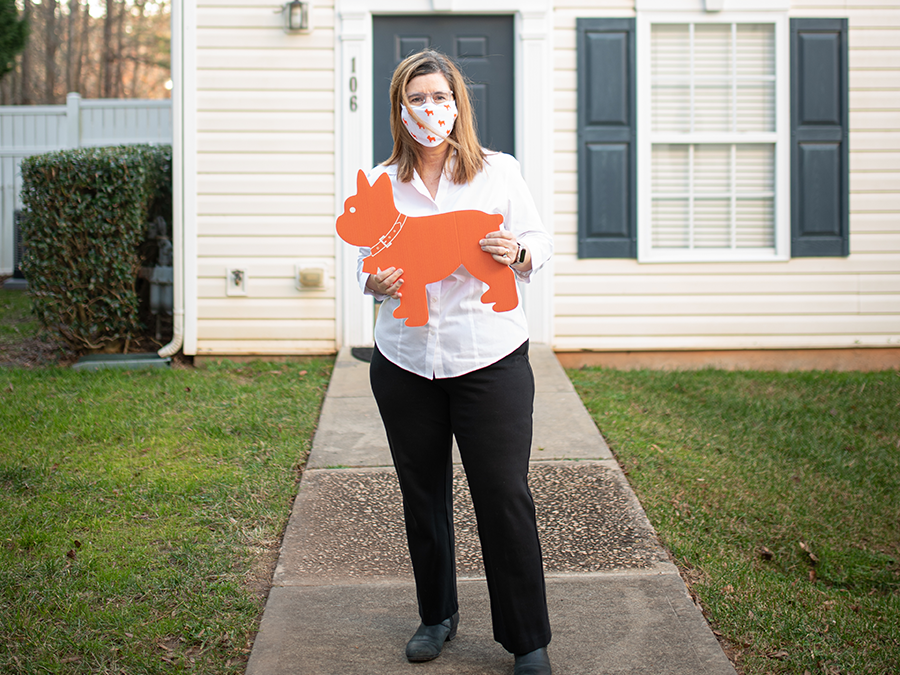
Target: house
[721,177]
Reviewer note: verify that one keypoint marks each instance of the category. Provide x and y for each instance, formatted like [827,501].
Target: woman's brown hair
[463,138]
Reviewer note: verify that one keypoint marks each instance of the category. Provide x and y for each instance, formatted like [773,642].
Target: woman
[465,372]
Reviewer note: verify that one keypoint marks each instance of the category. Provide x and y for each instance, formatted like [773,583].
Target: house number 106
[353,103]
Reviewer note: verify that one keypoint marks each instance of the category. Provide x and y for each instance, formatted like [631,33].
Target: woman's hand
[386,282]
[501,245]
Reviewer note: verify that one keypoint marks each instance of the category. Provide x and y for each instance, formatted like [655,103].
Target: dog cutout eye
[352,209]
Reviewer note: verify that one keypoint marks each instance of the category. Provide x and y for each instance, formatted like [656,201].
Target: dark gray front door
[483,48]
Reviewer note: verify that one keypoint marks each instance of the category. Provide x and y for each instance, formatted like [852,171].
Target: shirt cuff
[539,256]
[363,277]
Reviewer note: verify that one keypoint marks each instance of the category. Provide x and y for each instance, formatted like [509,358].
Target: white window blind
[712,137]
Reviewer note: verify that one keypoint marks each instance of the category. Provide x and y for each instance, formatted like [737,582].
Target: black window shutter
[820,171]
[607,153]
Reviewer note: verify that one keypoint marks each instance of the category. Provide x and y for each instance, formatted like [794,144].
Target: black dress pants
[490,412]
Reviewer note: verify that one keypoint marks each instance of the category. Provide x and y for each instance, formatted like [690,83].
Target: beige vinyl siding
[608,304]
[265,178]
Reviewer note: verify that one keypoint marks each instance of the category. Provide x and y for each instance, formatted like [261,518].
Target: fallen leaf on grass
[765,553]
[71,554]
[780,655]
[812,556]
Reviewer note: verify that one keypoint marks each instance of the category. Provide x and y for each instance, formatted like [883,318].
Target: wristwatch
[520,255]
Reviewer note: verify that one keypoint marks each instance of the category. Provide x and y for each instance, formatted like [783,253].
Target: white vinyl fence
[32,130]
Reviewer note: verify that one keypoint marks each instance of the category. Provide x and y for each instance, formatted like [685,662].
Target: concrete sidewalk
[343,599]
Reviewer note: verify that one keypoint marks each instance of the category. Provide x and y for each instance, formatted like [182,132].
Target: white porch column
[534,148]
[353,147]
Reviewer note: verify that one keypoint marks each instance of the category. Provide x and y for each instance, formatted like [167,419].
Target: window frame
[646,137]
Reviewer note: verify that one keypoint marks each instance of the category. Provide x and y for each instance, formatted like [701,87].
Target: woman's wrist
[521,255]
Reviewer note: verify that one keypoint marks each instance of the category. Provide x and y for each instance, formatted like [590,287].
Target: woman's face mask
[438,122]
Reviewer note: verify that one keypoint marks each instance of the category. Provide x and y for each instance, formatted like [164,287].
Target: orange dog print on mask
[426,248]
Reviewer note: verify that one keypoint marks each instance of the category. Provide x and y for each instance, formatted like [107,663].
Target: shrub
[86,214]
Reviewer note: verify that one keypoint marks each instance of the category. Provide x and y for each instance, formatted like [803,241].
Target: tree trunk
[137,34]
[72,51]
[51,41]
[25,78]
[120,54]
[6,86]
[82,47]
[108,55]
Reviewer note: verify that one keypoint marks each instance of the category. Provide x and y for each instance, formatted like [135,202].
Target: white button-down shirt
[462,333]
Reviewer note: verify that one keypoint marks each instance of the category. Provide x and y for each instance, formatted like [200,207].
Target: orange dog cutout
[426,248]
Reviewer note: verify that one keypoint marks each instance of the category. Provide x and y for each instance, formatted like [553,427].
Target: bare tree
[25,62]
[120,50]
[140,6]
[72,51]
[51,42]
[82,45]
[108,55]
[122,53]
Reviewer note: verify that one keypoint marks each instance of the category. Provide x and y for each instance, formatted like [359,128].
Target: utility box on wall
[313,274]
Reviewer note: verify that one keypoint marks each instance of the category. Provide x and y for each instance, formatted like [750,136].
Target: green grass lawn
[18,322]
[22,340]
[141,512]
[779,497]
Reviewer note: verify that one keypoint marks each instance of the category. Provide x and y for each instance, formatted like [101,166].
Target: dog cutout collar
[385,240]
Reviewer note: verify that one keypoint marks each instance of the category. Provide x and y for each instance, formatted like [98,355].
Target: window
[712,137]
[712,140]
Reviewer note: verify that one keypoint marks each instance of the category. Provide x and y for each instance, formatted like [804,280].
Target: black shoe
[428,641]
[533,663]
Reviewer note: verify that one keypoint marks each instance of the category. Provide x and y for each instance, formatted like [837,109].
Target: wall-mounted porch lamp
[296,15]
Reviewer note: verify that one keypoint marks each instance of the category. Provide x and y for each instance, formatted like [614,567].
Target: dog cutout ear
[361,182]
[384,193]
[382,201]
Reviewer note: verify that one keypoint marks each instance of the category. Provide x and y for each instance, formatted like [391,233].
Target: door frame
[533,55]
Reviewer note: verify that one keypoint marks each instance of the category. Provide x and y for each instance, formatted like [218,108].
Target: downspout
[177,269]
[177,183]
